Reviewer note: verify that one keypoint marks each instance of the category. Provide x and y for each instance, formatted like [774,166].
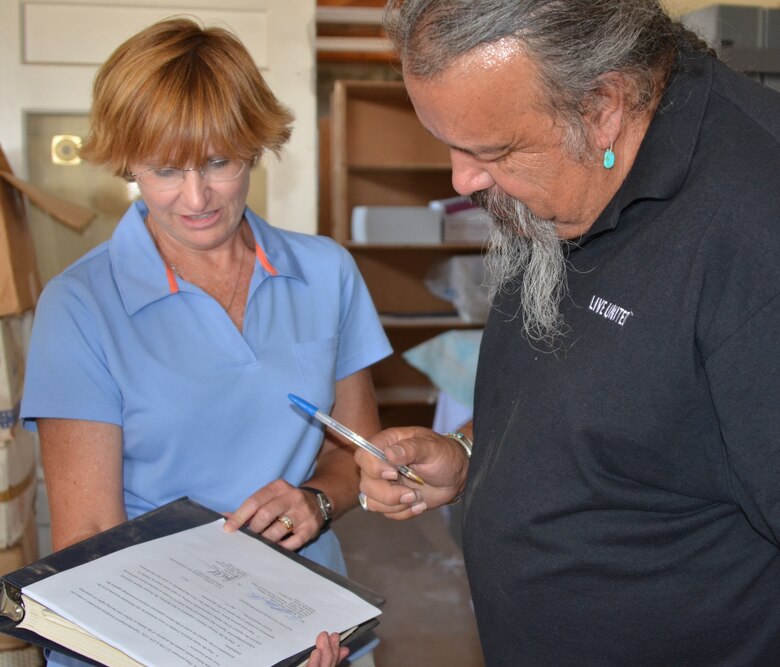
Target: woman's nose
[194,188]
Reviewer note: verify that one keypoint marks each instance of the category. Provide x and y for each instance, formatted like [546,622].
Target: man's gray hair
[574,43]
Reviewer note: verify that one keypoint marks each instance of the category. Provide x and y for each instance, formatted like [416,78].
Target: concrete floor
[417,566]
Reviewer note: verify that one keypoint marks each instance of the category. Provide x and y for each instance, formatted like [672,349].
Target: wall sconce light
[65,149]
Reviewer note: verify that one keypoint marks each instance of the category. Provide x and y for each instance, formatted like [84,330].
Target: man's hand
[439,460]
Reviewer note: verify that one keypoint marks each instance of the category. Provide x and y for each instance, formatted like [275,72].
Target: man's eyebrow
[478,151]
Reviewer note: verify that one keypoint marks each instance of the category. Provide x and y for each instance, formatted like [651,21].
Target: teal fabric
[450,361]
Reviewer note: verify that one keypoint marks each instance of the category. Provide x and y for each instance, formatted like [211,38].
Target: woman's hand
[439,460]
[327,652]
[261,513]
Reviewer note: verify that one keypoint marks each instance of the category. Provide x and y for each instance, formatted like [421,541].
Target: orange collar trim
[173,285]
[261,257]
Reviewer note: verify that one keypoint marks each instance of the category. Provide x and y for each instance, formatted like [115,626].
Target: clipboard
[173,517]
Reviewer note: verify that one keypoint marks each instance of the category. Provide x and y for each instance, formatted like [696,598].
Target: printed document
[201,598]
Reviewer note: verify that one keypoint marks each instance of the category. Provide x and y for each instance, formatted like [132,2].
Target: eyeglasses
[217,170]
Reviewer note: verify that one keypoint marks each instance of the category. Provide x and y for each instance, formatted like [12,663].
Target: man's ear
[607,109]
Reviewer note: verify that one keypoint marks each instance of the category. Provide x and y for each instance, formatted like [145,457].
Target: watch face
[326,507]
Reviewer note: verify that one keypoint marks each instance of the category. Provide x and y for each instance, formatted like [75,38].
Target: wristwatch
[323,502]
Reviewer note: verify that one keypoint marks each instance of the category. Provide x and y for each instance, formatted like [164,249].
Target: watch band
[323,502]
[462,440]
[465,442]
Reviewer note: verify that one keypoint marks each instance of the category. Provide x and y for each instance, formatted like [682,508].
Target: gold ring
[363,500]
[287,522]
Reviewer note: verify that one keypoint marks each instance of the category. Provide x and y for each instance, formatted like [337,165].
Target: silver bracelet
[462,440]
[467,445]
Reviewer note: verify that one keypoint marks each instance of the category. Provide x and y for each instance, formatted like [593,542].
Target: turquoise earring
[609,158]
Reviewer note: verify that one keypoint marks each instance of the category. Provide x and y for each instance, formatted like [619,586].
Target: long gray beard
[523,243]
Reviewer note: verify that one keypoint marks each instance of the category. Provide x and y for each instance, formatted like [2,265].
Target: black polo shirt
[623,502]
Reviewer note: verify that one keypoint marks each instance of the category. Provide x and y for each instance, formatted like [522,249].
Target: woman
[161,361]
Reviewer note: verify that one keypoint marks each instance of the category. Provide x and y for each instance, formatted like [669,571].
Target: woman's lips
[200,219]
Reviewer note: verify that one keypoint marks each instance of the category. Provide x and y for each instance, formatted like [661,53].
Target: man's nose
[468,174]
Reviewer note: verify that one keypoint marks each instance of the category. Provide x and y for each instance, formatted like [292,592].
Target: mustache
[495,202]
[510,216]
[479,198]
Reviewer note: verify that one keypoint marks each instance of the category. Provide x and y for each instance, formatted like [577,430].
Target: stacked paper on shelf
[451,204]
[405,225]
[471,226]
[462,221]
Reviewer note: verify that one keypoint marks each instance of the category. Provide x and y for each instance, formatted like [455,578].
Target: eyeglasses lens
[168,178]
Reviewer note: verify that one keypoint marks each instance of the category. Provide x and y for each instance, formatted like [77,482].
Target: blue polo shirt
[203,407]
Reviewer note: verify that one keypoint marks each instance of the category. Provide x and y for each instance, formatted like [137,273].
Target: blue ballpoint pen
[350,435]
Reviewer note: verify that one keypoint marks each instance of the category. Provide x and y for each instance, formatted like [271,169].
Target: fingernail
[396,449]
[391,475]
[408,498]
[419,508]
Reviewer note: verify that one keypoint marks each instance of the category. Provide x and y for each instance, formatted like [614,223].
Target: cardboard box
[17,485]
[11,376]
[22,553]
[28,656]
[14,341]
[20,283]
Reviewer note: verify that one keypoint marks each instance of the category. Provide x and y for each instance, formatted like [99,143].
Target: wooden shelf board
[406,395]
[427,321]
[421,247]
[386,167]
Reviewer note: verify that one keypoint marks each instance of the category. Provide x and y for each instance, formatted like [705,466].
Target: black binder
[173,517]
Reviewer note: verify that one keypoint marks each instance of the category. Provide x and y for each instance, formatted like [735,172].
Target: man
[621,506]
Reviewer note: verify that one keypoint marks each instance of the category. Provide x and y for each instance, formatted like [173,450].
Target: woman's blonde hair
[176,88]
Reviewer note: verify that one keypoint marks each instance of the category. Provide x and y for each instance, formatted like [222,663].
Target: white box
[403,225]
[17,485]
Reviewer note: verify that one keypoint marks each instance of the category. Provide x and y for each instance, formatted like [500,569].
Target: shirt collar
[664,158]
[140,272]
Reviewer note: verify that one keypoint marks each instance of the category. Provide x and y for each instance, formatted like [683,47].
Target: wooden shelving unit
[381,155]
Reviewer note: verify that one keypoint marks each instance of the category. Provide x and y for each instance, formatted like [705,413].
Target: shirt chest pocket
[316,369]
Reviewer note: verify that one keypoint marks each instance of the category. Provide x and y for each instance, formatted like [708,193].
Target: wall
[49,61]
[677,7]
